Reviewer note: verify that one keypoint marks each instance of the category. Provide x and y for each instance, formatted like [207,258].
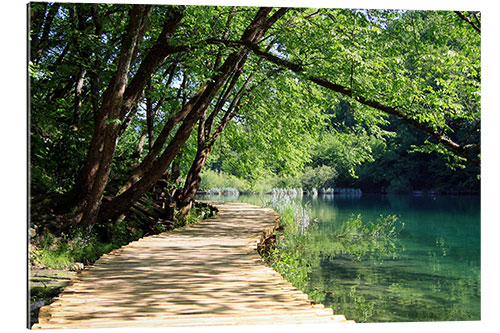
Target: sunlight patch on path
[207,273]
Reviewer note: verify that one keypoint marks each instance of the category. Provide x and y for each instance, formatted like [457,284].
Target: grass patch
[44,293]
[65,251]
[79,246]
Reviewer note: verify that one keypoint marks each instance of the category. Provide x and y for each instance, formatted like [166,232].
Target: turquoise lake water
[430,273]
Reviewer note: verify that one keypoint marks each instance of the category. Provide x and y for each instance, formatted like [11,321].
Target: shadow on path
[208,273]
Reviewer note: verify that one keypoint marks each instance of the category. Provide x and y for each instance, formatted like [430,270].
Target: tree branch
[477,27]
[156,55]
[459,149]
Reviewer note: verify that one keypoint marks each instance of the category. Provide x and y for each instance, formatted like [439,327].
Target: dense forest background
[393,164]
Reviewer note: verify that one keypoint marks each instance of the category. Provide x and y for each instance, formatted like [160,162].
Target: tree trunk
[124,201]
[193,180]
[160,141]
[149,117]
[175,175]
[100,156]
[140,146]
[40,44]
[36,15]
[91,209]
[78,98]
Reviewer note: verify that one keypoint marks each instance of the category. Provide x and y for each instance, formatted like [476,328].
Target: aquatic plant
[287,256]
[295,216]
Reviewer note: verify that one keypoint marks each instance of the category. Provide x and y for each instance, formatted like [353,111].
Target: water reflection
[434,276]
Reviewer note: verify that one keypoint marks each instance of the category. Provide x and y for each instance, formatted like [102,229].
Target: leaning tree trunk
[99,160]
[158,144]
[206,140]
[118,102]
[121,203]
[205,145]
[193,180]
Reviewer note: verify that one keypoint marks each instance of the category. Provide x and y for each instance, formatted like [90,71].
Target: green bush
[82,246]
[64,252]
[234,182]
[288,182]
[211,179]
[42,182]
[320,177]
[264,184]
[399,185]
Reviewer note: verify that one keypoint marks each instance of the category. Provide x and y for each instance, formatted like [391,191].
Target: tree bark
[193,179]
[149,118]
[140,146]
[96,18]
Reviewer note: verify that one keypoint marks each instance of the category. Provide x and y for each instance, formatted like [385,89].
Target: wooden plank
[108,314]
[194,320]
[204,274]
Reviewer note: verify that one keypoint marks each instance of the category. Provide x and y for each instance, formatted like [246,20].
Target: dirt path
[205,274]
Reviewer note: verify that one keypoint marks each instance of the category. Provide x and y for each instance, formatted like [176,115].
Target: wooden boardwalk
[207,273]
